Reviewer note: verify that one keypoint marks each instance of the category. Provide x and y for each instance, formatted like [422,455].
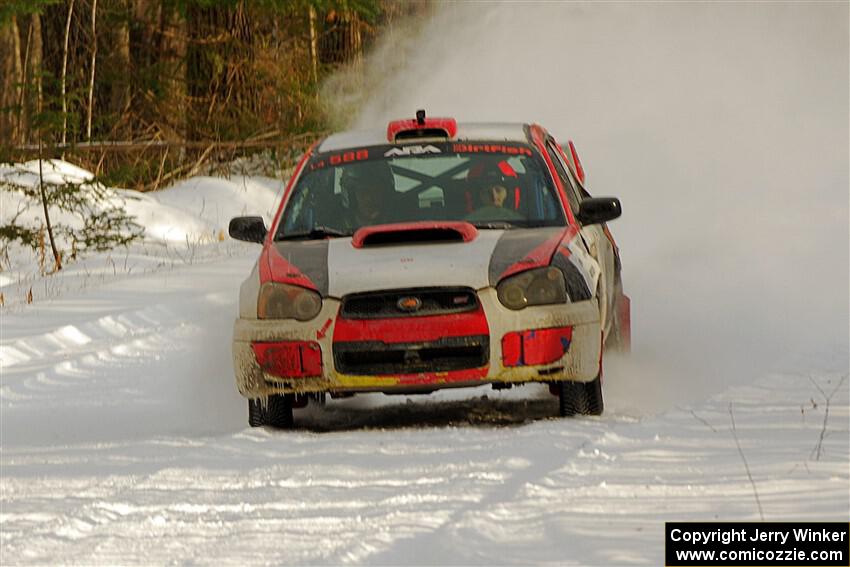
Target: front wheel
[580,398]
[256,414]
[276,412]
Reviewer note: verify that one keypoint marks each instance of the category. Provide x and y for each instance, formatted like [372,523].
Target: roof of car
[478,131]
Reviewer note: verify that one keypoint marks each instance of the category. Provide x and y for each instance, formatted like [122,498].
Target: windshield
[491,185]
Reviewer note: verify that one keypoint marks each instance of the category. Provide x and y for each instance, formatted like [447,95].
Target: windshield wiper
[541,224]
[315,233]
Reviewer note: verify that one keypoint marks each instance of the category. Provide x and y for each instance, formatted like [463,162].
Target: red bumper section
[535,346]
[303,359]
[416,350]
[290,359]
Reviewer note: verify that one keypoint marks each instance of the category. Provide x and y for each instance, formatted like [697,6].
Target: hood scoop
[413,233]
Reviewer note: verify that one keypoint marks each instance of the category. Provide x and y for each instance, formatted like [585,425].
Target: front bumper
[580,362]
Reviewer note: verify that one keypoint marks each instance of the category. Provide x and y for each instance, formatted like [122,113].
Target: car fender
[587,265]
[600,251]
[249,292]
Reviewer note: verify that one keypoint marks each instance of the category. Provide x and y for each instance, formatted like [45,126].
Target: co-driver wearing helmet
[492,195]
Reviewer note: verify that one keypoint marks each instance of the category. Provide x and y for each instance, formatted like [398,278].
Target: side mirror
[599,209]
[249,229]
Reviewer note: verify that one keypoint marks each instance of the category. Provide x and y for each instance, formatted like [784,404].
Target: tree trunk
[172,54]
[356,38]
[23,103]
[65,72]
[118,62]
[218,67]
[145,39]
[93,63]
[37,60]
[10,80]
[342,40]
[18,73]
[314,45]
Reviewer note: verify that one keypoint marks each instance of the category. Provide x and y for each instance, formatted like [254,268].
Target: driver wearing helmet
[369,189]
[494,195]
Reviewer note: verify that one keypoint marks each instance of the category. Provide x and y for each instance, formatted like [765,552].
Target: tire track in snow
[115,479]
[590,491]
[135,356]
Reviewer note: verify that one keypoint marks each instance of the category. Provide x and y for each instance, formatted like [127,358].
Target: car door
[596,236]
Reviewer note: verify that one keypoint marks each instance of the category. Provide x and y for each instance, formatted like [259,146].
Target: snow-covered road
[123,441]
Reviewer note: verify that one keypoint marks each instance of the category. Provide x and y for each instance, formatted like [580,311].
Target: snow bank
[217,200]
[197,208]
[181,224]
[55,172]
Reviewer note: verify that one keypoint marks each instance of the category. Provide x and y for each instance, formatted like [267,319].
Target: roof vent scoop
[414,233]
[421,127]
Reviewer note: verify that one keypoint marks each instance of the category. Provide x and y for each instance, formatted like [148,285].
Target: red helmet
[491,172]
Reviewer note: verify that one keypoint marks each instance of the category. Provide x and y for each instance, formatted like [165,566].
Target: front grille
[374,357]
[432,301]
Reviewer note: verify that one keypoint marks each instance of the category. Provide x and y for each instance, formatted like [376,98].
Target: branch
[744,459]
[57,259]
[703,421]
[818,449]
[260,141]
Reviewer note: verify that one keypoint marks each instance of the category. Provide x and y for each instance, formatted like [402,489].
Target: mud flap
[624,323]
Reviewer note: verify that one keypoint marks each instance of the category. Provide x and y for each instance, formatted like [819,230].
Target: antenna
[420,117]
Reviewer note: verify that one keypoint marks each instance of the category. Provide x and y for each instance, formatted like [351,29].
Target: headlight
[284,301]
[541,286]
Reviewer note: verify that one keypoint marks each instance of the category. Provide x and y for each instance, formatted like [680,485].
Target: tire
[256,417]
[278,412]
[580,398]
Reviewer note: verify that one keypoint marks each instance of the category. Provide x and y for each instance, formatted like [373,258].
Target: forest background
[144,92]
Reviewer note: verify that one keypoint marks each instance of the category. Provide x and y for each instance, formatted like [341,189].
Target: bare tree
[10,78]
[37,59]
[18,72]
[93,63]
[57,259]
[118,57]
[314,44]
[23,116]
[65,73]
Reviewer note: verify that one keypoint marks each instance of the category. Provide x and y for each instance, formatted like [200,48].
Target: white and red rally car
[430,255]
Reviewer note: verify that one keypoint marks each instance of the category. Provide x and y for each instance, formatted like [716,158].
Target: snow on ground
[195,209]
[179,222]
[123,440]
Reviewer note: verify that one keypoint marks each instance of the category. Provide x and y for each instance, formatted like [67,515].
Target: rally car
[430,255]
